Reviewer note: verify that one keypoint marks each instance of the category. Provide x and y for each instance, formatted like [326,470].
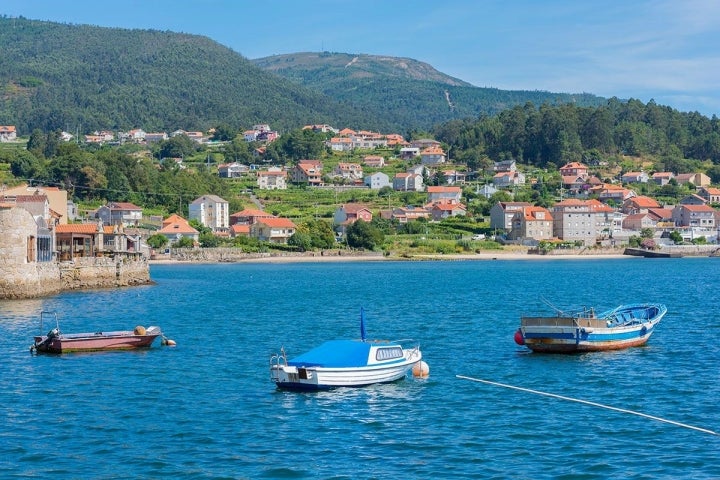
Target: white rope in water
[594,404]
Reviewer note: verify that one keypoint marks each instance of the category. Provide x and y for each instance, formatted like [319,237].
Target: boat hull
[621,328]
[321,378]
[94,342]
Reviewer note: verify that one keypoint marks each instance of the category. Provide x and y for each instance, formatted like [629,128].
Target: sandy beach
[375,257]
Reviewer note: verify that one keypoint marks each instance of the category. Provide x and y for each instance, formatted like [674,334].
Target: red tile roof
[87,228]
[277,222]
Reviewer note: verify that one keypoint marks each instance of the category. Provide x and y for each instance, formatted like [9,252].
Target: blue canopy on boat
[335,354]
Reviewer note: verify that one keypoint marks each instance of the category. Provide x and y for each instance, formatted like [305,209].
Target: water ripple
[207,409]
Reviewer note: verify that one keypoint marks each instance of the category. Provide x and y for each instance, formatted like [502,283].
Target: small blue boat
[344,363]
[622,327]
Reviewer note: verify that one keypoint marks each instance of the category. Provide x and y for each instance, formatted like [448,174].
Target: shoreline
[483,256]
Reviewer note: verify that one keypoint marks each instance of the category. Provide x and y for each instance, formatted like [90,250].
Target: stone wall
[103,272]
[225,254]
[20,278]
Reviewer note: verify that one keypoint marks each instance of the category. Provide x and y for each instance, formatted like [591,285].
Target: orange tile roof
[251,212]
[174,218]
[433,150]
[354,207]
[447,206]
[644,202]
[698,208]
[573,165]
[444,189]
[177,227]
[531,213]
[87,228]
[274,222]
[240,229]
[124,206]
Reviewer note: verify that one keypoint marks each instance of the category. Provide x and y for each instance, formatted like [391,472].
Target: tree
[647,233]
[36,143]
[157,241]
[321,234]
[208,240]
[184,242]
[237,151]
[195,223]
[27,165]
[224,133]
[364,235]
[676,237]
[301,240]
[297,145]
[179,146]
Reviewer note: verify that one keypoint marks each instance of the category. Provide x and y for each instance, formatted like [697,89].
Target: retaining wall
[20,278]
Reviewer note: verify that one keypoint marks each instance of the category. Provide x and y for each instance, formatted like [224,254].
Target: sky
[661,50]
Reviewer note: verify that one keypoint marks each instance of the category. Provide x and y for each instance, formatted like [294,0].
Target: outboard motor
[48,338]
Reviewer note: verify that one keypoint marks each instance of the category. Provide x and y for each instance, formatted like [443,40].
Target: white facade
[377,181]
[211,211]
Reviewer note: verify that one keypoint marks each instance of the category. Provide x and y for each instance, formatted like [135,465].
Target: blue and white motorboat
[345,363]
[585,331]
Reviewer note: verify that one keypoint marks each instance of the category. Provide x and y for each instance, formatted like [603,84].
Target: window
[31,249]
[388,353]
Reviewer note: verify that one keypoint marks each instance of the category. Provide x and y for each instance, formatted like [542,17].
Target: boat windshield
[388,353]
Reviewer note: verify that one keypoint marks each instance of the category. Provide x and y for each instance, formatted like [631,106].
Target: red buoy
[519,337]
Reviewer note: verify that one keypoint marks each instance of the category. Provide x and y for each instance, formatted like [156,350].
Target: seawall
[22,276]
[32,280]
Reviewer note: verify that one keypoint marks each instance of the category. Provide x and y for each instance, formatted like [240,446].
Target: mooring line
[586,402]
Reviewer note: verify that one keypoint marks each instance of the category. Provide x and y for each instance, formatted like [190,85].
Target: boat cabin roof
[338,354]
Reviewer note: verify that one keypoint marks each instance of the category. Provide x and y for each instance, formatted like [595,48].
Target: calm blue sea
[207,409]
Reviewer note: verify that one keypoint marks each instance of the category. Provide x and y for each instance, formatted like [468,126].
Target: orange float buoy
[421,370]
[168,342]
[519,339]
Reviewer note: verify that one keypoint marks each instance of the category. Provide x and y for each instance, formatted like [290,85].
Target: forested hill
[404,91]
[60,76]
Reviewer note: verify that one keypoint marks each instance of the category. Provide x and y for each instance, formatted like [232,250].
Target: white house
[501,214]
[349,171]
[232,170]
[211,211]
[174,228]
[274,230]
[408,182]
[635,177]
[508,179]
[377,180]
[432,156]
[7,133]
[272,179]
[120,213]
[443,193]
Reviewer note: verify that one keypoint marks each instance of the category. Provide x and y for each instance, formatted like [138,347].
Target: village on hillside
[590,212]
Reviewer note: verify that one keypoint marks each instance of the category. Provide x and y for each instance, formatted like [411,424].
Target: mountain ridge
[408,91]
[56,75]
[82,77]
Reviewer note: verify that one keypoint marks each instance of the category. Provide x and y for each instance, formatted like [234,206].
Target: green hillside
[406,92]
[59,76]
